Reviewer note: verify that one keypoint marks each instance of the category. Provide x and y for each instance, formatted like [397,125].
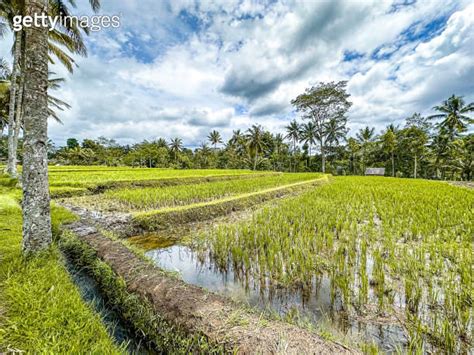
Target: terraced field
[380,260]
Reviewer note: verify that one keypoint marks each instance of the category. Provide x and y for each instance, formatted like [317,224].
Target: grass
[171,196]
[384,243]
[41,310]
[91,177]
[168,218]
[158,333]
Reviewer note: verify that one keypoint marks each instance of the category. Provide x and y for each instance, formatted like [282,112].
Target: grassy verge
[41,310]
[157,332]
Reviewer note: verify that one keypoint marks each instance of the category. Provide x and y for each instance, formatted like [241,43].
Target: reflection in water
[319,304]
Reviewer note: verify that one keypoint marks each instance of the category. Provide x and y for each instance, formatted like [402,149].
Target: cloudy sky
[185,68]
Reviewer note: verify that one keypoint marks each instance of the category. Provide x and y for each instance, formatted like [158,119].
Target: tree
[255,142]
[389,145]
[308,136]
[36,210]
[354,148]
[415,139]
[293,131]
[215,138]
[61,38]
[176,146]
[453,113]
[365,138]
[321,104]
[72,143]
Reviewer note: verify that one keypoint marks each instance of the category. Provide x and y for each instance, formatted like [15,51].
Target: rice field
[378,252]
[180,195]
[92,176]
[391,249]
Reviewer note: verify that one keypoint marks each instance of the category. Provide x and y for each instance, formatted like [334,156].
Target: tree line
[434,147]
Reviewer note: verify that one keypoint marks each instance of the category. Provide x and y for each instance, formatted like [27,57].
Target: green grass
[90,177]
[381,242]
[171,196]
[41,310]
[170,217]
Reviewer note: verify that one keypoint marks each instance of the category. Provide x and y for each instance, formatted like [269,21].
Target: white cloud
[183,68]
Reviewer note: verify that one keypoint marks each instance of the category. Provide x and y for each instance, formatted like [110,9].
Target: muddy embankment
[198,311]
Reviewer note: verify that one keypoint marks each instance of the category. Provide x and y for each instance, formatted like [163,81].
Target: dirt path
[200,311]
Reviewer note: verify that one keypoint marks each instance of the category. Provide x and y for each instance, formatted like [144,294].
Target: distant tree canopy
[440,146]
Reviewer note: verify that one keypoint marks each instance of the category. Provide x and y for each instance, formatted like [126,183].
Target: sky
[184,68]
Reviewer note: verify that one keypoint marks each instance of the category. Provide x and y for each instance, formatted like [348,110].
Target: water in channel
[117,328]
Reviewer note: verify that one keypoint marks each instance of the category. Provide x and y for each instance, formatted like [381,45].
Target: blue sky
[184,68]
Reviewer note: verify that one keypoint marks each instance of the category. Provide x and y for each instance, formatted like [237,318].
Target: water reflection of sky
[316,305]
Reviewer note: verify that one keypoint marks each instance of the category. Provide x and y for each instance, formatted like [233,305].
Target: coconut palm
[67,35]
[365,138]
[161,143]
[453,115]
[176,146]
[388,139]
[308,135]
[35,205]
[255,142]
[293,133]
[215,138]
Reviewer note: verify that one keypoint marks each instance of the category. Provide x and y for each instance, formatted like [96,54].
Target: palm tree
[255,142]
[161,143]
[354,148]
[176,146]
[67,36]
[308,135]
[36,209]
[389,144]
[365,138]
[453,114]
[214,137]
[293,133]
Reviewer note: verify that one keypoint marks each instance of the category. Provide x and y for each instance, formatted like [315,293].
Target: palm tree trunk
[309,158]
[393,165]
[414,171]
[36,199]
[11,166]
[18,118]
[255,161]
[294,155]
[323,158]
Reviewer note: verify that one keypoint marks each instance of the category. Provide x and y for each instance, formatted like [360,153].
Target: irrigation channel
[116,327]
[315,306]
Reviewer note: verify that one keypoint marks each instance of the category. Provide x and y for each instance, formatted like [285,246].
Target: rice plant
[386,244]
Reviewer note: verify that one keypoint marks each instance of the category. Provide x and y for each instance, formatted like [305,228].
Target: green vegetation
[169,218]
[396,245]
[157,332]
[41,311]
[436,147]
[92,177]
[155,198]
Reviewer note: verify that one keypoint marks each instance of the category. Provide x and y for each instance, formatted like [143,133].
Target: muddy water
[319,305]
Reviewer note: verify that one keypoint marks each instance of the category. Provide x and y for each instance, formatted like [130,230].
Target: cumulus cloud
[183,68]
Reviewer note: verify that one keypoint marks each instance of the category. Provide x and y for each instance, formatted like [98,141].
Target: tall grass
[170,196]
[388,244]
[41,311]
